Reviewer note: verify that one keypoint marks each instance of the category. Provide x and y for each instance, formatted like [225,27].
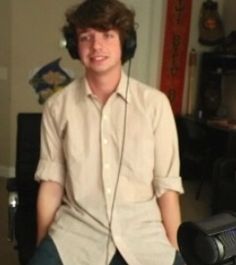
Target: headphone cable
[120,164]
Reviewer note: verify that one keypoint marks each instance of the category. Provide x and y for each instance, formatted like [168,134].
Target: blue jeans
[178,259]
[47,254]
[118,260]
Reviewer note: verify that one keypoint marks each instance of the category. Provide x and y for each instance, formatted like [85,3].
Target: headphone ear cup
[71,43]
[129,46]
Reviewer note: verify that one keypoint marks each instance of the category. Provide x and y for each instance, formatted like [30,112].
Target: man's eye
[108,34]
[84,38]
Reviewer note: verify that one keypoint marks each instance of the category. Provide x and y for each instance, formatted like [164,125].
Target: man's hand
[49,199]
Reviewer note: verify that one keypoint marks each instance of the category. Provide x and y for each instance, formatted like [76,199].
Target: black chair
[224,185]
[22,208]
[195,151]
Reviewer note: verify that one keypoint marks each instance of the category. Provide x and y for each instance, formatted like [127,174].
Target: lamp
[210,241]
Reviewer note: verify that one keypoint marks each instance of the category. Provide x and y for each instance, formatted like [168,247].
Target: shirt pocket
[138,158]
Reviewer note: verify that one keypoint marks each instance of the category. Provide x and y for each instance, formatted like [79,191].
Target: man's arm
[170,211]
[49,199]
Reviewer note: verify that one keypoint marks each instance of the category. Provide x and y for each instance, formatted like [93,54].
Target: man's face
[100,51]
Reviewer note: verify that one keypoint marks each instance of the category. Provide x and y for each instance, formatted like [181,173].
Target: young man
[109,165]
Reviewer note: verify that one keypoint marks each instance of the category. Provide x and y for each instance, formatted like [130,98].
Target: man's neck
[103,85]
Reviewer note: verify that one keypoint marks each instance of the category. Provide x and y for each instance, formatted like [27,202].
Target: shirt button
[108,191]
[107,166]
[105,117]
[105,141]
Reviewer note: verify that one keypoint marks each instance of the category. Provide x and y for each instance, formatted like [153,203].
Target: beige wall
[194,44]
[229,81]
[30,35]
[229,13]
[32,39]
[35,41]
[5,99]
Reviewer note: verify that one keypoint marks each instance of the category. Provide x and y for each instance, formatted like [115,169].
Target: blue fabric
[46,253]
[178,259]
[118,259]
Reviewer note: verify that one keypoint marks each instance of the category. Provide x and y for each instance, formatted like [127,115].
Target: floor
[192,209]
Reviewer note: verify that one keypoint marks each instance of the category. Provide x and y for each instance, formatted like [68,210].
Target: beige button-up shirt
[81,148]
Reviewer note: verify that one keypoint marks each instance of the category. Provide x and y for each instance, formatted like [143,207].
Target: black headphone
[128,49]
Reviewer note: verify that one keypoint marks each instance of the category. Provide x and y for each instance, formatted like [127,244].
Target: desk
[220,133]
[208,151]
[225,131]
[202,142]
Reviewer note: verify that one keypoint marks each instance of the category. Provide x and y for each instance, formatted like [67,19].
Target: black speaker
[128,49]
[210,241]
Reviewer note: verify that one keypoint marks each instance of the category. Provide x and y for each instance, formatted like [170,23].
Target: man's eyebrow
[82,30]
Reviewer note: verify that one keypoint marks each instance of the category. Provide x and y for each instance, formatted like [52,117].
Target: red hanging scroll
[175,51]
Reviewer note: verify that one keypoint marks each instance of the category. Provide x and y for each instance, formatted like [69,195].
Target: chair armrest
[13,202]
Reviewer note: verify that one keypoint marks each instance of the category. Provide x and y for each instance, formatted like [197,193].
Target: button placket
[106,172]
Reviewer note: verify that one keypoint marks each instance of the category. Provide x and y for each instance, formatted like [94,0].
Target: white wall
[150,16]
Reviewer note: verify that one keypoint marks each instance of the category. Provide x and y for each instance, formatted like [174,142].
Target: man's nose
[97,42]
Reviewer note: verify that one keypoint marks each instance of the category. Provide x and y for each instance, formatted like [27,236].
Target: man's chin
[101,70]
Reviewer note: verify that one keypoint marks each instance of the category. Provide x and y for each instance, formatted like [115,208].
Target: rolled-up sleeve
[167,164]
[51,166]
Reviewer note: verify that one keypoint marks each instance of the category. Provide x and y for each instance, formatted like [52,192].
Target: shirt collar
[121,88]
[123,85]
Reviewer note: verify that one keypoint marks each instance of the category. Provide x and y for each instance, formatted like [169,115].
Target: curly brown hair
[102,15]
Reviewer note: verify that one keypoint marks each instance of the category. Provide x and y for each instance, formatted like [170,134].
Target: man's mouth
[98,58]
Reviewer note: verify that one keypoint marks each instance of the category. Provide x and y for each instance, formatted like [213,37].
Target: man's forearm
[170,211]
[49,199]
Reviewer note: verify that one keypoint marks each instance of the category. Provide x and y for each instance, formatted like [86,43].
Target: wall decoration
[211,30]
[175,51]
[48,79]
